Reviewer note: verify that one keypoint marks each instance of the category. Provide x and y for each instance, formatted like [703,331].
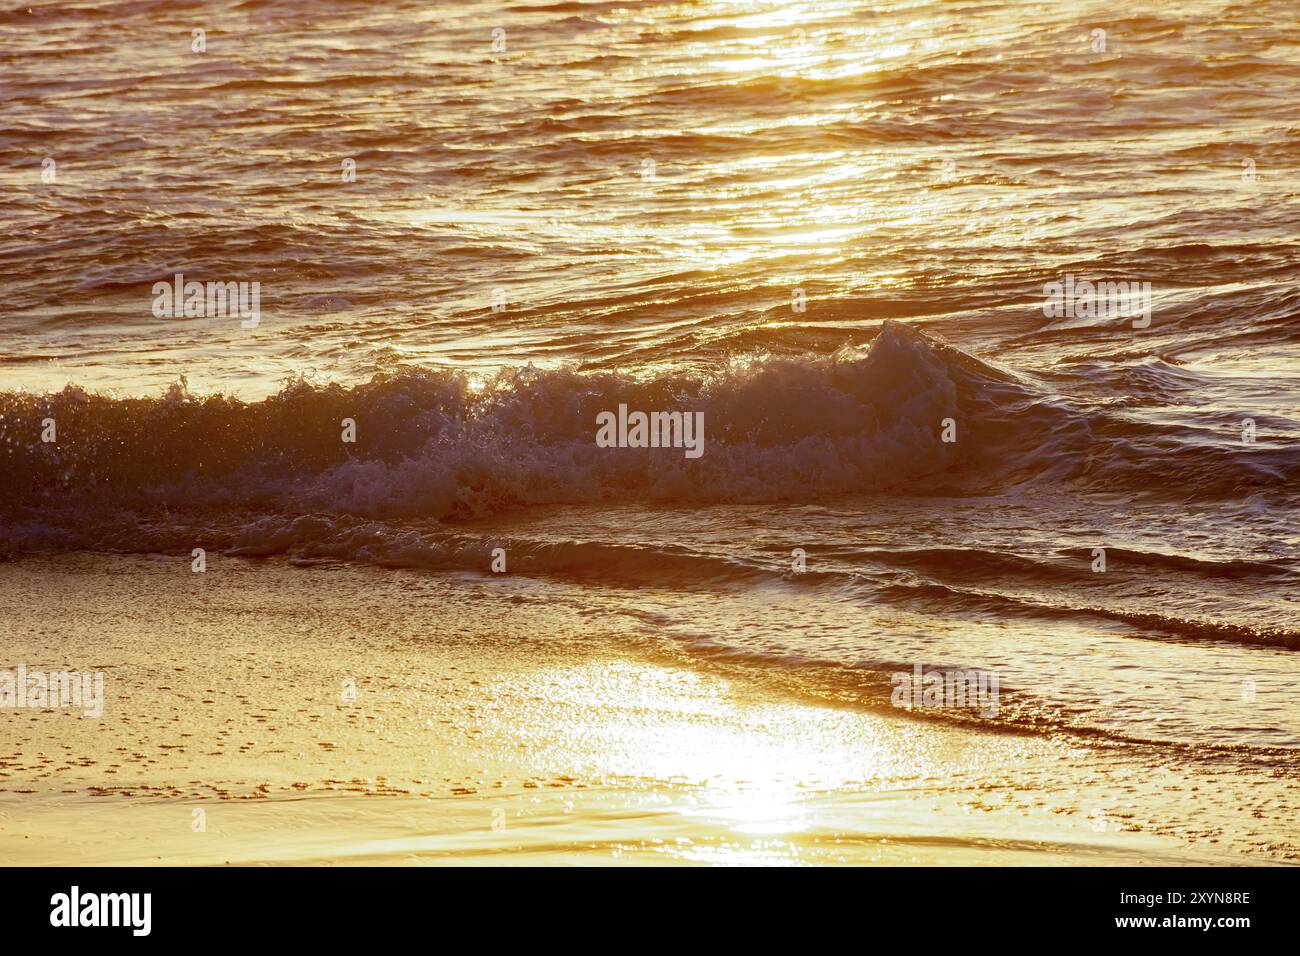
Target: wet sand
[261,712]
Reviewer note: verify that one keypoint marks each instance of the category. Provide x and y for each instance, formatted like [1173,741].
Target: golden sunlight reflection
[747,760]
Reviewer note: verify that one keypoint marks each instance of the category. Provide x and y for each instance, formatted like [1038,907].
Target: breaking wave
[443,445]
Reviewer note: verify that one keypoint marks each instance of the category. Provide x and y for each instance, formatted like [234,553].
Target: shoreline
[487,721]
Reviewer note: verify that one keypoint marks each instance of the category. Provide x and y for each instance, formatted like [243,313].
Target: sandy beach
[255,714]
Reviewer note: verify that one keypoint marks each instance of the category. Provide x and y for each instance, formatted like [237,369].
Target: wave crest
[441,444]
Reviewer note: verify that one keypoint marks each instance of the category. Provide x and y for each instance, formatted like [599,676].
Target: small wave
[1232,568]
[1161,625]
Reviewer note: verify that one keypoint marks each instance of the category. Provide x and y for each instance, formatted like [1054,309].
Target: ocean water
[828,227]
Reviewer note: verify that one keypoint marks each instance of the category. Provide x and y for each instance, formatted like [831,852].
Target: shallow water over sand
[489,724]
